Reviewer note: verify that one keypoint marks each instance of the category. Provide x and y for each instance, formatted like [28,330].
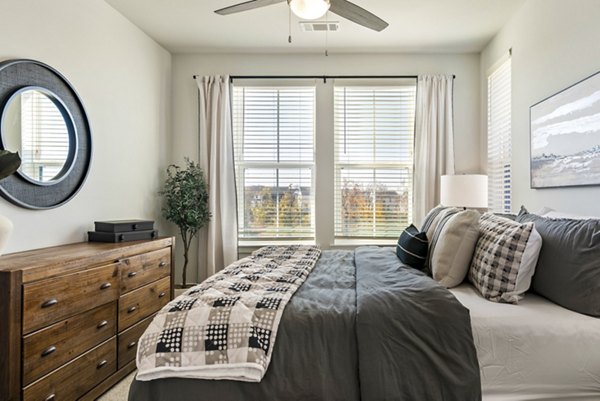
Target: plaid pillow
[505,258]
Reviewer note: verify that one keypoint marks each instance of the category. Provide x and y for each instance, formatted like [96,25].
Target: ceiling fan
[313,9]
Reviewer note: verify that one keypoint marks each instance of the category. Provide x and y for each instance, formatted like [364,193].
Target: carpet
[120,391]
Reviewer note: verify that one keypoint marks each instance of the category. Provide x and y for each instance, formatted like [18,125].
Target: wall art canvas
[565,137]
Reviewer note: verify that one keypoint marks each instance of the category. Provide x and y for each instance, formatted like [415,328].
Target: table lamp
[464,190]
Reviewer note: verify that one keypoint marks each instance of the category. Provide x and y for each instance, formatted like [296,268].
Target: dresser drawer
[143,302]
[143,269]
[47,349]
[128,340]
[77,377]
[48,301]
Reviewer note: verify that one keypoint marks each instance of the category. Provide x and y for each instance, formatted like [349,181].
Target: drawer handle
[101,364]
[51,397]
[162,264]
[131,344]
[105,286]
[102,324]
[162,294]
[48,351]
[49,303]
[132,274]
[132,309]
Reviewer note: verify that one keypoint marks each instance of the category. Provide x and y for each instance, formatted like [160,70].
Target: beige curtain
[218,245]
[434,141]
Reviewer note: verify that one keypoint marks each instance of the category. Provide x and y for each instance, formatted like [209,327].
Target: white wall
[123,78]
[464,66]
[555,43]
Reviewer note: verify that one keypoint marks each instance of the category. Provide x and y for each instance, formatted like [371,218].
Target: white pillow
[452,245]
[442,213]
[505,258]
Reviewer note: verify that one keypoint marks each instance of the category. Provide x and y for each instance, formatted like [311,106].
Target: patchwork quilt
[225,328]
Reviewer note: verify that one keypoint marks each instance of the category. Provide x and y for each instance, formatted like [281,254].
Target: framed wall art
[565,137]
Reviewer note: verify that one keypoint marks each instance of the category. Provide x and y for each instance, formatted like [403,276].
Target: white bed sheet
[535,350]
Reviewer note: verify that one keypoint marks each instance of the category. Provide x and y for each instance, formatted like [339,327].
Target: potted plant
[9,163]
[186,204]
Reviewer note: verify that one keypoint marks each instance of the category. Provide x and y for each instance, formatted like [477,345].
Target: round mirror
[43,118]
[36,123]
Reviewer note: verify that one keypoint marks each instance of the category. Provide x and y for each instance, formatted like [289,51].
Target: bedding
[361,327]
[225,328]
[536,350]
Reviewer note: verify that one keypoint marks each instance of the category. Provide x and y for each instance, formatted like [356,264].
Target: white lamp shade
[467,190]
[309,9]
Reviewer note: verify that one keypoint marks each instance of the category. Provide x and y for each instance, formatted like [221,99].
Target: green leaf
[9,163]
[185,196]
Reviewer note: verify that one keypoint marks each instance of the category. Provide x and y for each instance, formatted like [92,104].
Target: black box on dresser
[122,231]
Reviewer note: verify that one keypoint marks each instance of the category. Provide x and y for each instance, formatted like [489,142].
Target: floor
[120,391]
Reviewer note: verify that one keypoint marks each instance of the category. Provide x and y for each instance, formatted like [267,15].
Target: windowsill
[363,242]
[266,242]
[338,243]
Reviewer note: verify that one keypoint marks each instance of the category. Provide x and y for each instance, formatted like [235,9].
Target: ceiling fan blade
[357,14]
[247,5]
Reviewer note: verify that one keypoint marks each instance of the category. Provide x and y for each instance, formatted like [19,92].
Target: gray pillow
[568,270]
[510,216]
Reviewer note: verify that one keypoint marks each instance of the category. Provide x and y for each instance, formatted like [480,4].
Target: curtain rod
[323,77]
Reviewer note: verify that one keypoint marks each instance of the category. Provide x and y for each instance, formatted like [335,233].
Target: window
[273,131]
[44,142]
[374,135]
[499,138]
[363,162]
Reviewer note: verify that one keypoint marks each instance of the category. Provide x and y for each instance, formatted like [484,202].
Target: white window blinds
[374,136]
[44,137]
[274,158]
[499,138]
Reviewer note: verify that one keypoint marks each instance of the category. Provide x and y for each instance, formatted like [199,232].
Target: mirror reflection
[36,124]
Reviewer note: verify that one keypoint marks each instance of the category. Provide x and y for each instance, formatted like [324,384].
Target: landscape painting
[565,137]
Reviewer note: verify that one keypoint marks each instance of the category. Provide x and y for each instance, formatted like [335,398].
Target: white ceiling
[422,26]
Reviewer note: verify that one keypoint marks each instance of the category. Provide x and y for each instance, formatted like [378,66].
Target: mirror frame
[71,132]
[15,76]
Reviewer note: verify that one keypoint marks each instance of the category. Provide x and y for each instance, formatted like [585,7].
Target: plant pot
[184,287]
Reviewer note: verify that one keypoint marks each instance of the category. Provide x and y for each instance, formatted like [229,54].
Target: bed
[361,327]
[333,346]
[535,350]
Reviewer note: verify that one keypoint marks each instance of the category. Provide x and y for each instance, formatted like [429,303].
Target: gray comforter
[361,327]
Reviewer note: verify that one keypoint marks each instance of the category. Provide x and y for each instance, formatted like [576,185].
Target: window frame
[242,165]
[374,166]
[323,173]
[499,163]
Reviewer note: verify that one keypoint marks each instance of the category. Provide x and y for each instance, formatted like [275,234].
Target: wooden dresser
[71,316]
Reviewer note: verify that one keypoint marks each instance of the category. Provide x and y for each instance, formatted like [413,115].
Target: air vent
[319,26]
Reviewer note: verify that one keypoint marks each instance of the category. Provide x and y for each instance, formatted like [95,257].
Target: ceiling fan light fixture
[309,9]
